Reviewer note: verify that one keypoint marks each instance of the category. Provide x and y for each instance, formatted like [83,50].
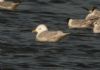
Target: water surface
[19,50]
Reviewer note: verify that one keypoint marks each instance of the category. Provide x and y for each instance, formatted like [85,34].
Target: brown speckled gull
[8,5]
[80,23]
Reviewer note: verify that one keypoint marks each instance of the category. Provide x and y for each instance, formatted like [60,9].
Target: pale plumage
[93,14]
[1,0]
[8,5]
[43,35]
[79,23]
[96,28]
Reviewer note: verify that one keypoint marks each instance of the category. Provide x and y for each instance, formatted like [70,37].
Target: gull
[94,13]
[43,35]
[79,23]
[9,5]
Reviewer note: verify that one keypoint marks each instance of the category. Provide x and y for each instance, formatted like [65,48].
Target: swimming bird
[43,35]
[79,23]
[94,13]
[8,5]
[96,28]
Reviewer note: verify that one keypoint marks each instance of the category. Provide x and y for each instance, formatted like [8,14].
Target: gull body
[79,23]
[96,28]
[8,5]
[93,14]
[43,35]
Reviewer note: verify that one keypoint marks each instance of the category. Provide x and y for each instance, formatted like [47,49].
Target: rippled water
[19,50]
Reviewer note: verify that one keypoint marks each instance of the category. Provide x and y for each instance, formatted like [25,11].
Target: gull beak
[33,31]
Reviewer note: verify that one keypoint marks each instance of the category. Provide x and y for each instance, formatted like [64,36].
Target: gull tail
[64,34]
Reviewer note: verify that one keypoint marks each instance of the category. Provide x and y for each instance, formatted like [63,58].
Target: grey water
[20,51]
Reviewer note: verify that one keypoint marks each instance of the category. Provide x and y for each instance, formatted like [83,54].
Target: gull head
[92,9]
[40,28]
[71,23]
[1,0]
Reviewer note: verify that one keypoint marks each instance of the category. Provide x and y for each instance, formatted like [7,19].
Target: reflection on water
[20,51]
